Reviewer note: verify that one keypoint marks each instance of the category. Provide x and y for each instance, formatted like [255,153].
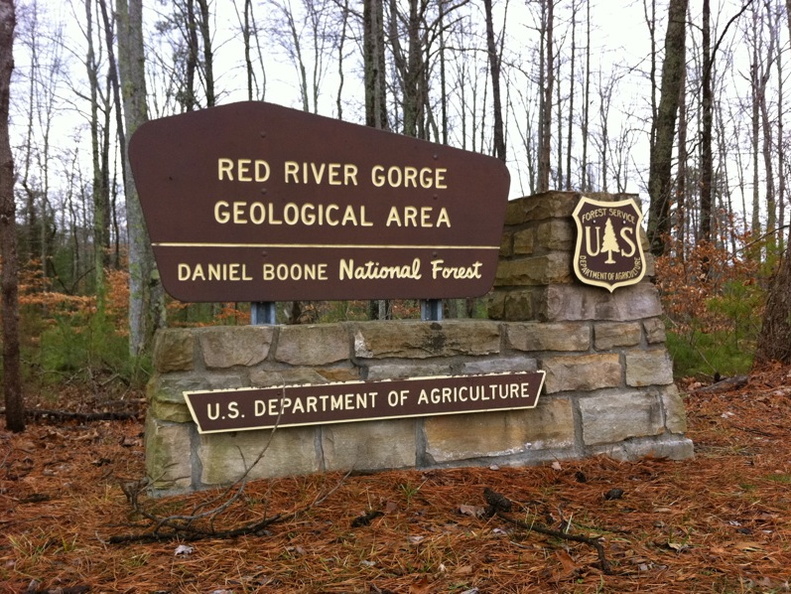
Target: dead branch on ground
[500,506]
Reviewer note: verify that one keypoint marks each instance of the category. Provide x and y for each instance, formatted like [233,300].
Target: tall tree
[707,113]
[494,66]
[12,382]
[374,65]
[547,85]
[100,155]
[774,341]
[375,98]
[707,116]
[661,150]
[146,310]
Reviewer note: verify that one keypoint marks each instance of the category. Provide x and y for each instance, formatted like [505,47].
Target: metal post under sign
[262,313]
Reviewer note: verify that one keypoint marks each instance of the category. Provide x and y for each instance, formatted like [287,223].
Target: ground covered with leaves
[72,517]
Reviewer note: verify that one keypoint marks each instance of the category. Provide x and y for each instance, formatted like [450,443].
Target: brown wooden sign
[608,250]
[288,406]
[256,202]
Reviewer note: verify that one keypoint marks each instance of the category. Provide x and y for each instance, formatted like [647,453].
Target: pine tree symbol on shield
[608,251]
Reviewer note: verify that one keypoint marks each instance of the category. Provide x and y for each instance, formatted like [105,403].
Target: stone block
[649,368]
[412,339]
[401,370]
[228,381]
[174,350]
[557,234]
[345,372]
[519,306]
[559,336]
[168,454]
[675,414]
[227,346]
[580,302]
[615,416]
[499,365]
[495,305]
[540,206]
[369,445]
[554,267]
[319,344]
[225,457]
[524,242]
[583,373]
[673,447]
[608,335]
[654,331]
[494,434]
[165,395]
[268,378]
[506,245]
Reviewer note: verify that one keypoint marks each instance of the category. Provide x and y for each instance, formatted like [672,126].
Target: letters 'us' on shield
[608,251]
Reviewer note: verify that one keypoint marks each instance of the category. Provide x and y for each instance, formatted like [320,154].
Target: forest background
[683,103]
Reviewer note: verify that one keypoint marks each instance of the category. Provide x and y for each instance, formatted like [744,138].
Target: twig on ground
[500,511]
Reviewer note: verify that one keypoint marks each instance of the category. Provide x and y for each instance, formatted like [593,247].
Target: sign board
[257,202]
[287,406]
[608,250]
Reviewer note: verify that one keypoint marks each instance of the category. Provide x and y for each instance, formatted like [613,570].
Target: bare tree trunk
[774,342]
[100,158]
[494,66]
[119,121]
[772,56]
[146,299]
[755,122]
[659,177]
[12,380]
[585,182]
[189,100]
[572,73]
[208,52]
[545,116]
[341,46]
[250,34]
[681,184]
[781,159]
[374,59]
[706,156]
[375,98]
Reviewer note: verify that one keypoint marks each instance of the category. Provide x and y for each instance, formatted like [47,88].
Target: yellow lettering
[261,170]
[443,218]
[377,177]
[291,171]
[243,170]
[224,167]
[334,174]
[238,213]
[317,173]
[221,212]
[349,174]
[408,176]
[410,216]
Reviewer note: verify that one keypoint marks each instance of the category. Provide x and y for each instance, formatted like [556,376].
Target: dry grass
[718,523]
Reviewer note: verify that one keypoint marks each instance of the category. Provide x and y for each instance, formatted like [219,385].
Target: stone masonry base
[598,398]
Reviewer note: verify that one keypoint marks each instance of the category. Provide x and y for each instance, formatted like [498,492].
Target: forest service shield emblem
[608,252]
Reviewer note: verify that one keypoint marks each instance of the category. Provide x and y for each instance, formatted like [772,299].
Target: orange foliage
[689,284]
